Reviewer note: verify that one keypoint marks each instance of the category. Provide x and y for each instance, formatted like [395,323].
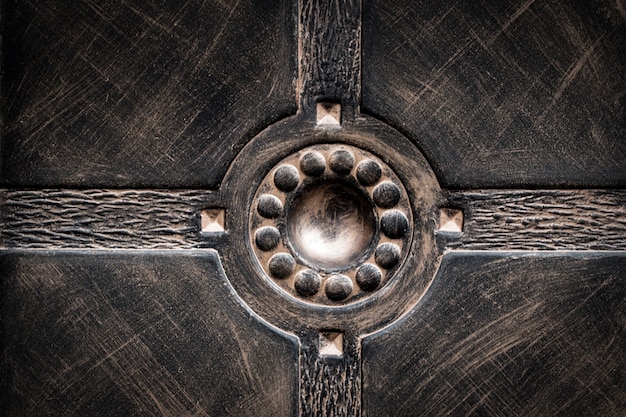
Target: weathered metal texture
[328,395]
[506,334]
[111,219]
[506,94]
[528,92]
[329,385]
[164,98]
[162,219]
[542,220]
[140,93]
[330,53]
[136,333]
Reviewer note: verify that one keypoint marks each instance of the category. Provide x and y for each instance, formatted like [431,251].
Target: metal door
[313,208]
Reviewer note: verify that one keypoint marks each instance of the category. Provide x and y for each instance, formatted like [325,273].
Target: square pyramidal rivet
[328,114]
[212,221]
[450,220]
[331,344]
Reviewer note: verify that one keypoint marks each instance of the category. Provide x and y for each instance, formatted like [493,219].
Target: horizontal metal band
[103,219]
[163,219]
[542,220]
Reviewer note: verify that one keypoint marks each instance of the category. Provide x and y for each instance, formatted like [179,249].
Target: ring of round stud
[330,224]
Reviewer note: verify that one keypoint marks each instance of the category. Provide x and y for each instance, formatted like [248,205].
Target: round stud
[387,255]
[394,224]
[267,238]
[368,172]
[386,195]
[286,178]
[338,287]
[313,164]
[269,206]
[341,162]
[307,282]
[368,277]
[281,265]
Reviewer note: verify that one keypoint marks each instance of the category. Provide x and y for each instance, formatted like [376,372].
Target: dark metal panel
[503,93]
[507,335]
[136,333]
[140,94]
[101,98]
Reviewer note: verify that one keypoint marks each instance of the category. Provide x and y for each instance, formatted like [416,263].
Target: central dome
[331,224]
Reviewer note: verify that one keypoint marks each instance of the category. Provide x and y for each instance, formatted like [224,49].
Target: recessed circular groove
[331,224]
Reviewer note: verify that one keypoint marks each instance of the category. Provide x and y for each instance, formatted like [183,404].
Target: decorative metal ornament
[333,235]
[204,211]
[330,224]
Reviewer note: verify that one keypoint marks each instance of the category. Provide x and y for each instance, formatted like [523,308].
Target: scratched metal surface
[140,93]
[131,110]
[507,335]
[136,334]
[511,93]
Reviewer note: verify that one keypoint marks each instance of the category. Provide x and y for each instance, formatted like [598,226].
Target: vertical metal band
[330,385]
[329,52]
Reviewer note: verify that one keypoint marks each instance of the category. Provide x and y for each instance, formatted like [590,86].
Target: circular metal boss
[330,224]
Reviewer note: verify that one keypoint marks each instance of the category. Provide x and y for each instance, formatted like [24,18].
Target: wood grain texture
[329,386]
[125,219]
[506,335]
[330,52]
[542,220]
[503,94]
[140,93]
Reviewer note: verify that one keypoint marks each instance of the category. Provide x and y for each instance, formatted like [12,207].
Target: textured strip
[102,219]
[123,219]
[330,51]
[542,220]
[330,386]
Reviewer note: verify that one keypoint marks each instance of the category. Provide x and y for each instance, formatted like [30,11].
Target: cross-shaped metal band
[328,92]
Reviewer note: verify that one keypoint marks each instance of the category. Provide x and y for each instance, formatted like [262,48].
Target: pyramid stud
[328,114]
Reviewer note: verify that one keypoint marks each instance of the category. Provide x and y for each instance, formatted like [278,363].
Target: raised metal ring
[330,224]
